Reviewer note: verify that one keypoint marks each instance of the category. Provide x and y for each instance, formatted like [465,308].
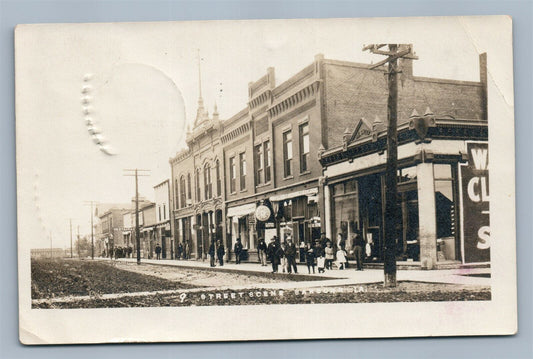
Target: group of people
[320,254]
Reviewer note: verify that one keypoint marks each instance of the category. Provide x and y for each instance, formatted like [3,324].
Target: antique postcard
[266,179]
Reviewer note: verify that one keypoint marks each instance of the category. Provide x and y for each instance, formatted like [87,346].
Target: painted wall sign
[475,201]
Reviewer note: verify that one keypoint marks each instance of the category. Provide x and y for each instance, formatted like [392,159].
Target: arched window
[183,199]
[189,192]
[208,187]
[219,182]
[198,189]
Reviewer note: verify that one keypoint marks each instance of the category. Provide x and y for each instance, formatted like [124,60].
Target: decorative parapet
[242,129]
[295,99]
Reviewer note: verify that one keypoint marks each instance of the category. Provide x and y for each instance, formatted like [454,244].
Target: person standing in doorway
[220,252]
[238,251]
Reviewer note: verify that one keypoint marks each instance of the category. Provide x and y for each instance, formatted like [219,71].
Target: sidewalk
[345,277]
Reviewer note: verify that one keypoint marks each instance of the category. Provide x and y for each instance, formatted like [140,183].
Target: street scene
[304,196]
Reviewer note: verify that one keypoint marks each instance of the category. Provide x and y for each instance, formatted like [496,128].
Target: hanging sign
[475,200]
[262,213]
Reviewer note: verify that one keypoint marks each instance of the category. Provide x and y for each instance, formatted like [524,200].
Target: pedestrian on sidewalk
[329,255]
[238,251]
[303,249]
[310,258]
[211,253]
[220,252]
[272,252]
[341,259]
[359,245]
[290,254]
[158,251]
[180,251]
[187,250]
[282,257]
[262,251]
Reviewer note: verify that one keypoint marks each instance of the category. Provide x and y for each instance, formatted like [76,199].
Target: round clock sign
[262,213]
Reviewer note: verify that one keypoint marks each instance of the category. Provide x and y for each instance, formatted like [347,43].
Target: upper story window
[219,182]
[164,211]
[259,164]
[159,213]
[208,187]
[198,189]
[232,175]
[183,199]
[189,193]
[304,146]
[287,154]
[176,194]
[242,170]
[266,151]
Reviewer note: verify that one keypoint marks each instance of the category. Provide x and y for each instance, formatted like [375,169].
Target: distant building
[110,228]
[49,253]
[162,230]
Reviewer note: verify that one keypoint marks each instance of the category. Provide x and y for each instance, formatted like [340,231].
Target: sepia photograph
[327,171]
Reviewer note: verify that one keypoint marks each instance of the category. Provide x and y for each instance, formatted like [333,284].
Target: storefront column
[427,216]
[327,212]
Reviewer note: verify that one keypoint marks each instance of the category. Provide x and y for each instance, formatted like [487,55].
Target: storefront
[442,215]
[241,223]
[296,215]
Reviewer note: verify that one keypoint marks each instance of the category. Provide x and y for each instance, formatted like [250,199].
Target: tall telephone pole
[70,220]
[131,173]
[92,203]
[392,214]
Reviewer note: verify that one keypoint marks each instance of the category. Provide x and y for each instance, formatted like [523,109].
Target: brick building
[109,228]
[272,158]
[162,228]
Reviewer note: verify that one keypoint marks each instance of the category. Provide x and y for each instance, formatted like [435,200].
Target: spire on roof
[201,114]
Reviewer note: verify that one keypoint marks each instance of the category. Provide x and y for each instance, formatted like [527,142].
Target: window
[164,211]
[259,162]
[198,189]
[176,194]
[287,153]
[159,210]
[233,174]
[189,194]
[304,147]
[242,170]
[183,200]
[219,183]
[208,186]
[266,152]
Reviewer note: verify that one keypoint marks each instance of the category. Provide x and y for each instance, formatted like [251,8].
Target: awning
[286,196]
[240,211]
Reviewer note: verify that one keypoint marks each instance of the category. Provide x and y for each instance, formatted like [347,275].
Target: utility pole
[70,220]
[391,172]
[91,203]
[131,173]
[78,242]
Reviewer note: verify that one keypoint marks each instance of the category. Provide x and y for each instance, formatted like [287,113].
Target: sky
[141,89]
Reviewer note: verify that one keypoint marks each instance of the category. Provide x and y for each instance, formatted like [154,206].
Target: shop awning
[286,196]
[240,211]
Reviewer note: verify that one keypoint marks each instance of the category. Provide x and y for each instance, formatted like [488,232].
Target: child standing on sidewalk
[329,255]
[341,258]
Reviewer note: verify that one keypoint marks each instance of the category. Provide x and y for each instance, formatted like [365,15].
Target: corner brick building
[273,161]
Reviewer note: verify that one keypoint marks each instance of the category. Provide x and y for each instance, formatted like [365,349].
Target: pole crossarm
[392,55]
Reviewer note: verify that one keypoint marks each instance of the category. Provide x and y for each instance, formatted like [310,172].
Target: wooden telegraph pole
[135,172]
[92,203]
[391,173]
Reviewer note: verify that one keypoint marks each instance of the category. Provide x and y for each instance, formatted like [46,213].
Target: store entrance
[408,245]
